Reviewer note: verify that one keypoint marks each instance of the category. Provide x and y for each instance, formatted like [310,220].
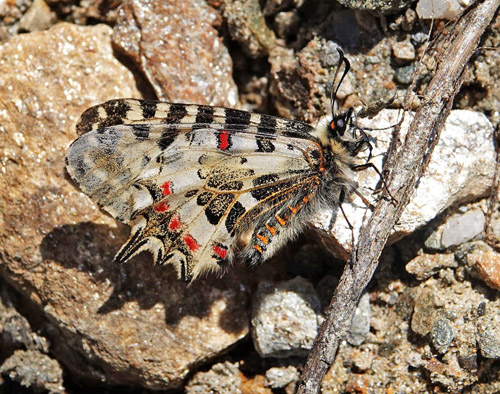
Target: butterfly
[194,181]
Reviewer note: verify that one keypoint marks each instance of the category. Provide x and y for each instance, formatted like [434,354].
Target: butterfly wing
[191,179]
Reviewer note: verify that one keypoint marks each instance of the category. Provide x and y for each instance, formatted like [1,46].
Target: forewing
[188,192]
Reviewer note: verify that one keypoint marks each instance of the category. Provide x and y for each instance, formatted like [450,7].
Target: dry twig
[405,165]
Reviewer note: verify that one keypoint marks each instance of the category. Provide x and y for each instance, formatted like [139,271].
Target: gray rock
[461,228]
[360,324]
[34,370]
[488,333]
[377,6]
[223,378]
[278,378]
[441,335]
[285,318]
[439,9]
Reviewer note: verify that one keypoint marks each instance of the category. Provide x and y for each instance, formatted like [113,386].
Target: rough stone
[424,314]
[426,265]
[403,50]
[247,25]
[360,324]
[134,324]
[34,370]
[278,378]
[488,332]
[178,49]
[223,378]
[442,9]
[461,169]
[441,335]
[461,228]
[377,6]
[285,318]
[37,17]
[479,257]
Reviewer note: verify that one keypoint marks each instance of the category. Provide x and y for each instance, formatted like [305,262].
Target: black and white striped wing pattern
[192,180]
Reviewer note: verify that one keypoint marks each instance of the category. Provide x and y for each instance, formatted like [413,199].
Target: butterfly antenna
[347,67]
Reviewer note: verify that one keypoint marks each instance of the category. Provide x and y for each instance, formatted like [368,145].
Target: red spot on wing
[167,188]
[175,223]
[223,140]
[220,251]
[191,243]
[162,206]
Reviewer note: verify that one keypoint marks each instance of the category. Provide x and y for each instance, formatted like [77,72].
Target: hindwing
[190,180]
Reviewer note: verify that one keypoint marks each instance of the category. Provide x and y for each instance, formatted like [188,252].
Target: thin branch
[406,166]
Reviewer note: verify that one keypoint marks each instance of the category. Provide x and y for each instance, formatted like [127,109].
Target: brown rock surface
[133,324]
[179,51]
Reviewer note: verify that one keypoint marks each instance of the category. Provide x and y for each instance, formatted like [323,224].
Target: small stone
[403,50]
[440,9]
[34,370]
[223,378]
[404,75]
[488,331]
[247,25]
[278,378]
[360,324]
[461,228]
[488,266]
[426,265]
[285,318]
[38,17]
[286,23]
[441,335]
[377,6]
[362,359]
[424,313]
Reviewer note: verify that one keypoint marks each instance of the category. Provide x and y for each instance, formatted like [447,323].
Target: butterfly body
[192,181]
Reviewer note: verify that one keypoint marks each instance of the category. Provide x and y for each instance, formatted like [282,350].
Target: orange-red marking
[175,223]
[262,238]
[221,252]
[294,209]
[280,220]
[167,188]
[162,206]
[272,230]
[258,248]
[223,140]
[191,243]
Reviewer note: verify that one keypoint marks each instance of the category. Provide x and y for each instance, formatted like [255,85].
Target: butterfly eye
[340,126]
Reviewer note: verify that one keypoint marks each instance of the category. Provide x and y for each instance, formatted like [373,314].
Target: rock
[134,324]
[426,265]
[189,63]
[360,324]
[424,314]
[285,318]
[223,378]
[37,17]
[10,13]
[455,174]
[488,332]
[403,50]
[440,9]
[247,26]
[15,329]
[278,378]
[441,335]
[34,370]
[461,228]
[377,6]
[481,258]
